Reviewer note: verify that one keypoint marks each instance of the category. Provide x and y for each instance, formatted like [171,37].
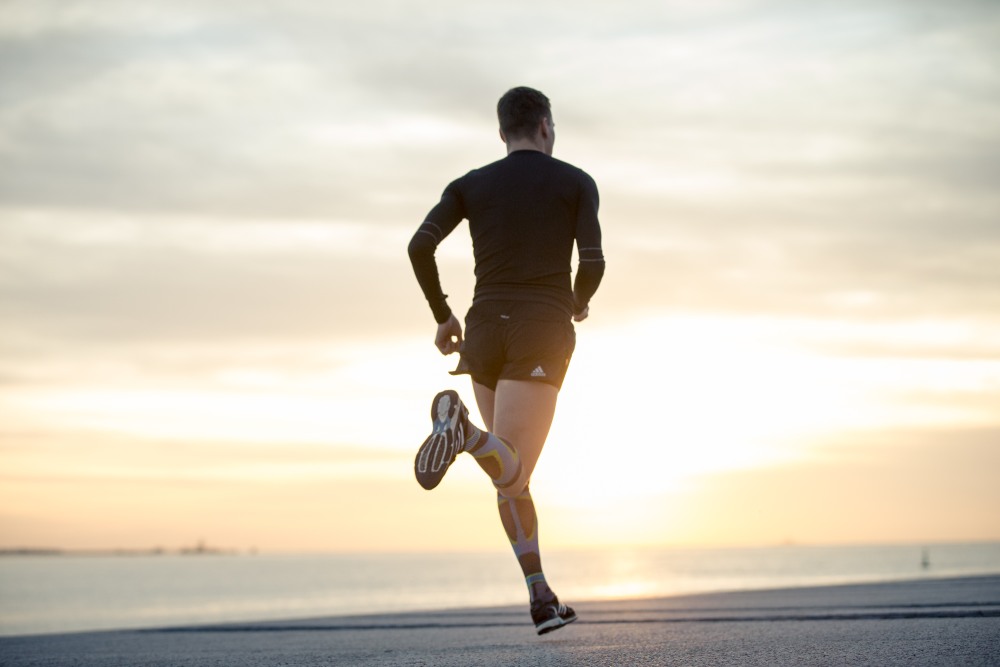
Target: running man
[525,213]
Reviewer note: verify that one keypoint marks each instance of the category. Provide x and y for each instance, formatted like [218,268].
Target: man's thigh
[522,415]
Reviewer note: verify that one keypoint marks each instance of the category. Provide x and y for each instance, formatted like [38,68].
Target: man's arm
[440,222]
[590,269]
[589,273]
[421,250]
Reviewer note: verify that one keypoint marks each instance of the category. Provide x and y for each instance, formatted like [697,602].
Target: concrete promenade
[924,622]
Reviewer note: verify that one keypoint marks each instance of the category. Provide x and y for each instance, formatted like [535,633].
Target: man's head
[526,115]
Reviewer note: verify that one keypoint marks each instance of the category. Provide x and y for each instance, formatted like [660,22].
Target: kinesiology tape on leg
[521,524]
[496,457]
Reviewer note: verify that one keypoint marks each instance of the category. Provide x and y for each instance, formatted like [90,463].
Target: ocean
[68,593]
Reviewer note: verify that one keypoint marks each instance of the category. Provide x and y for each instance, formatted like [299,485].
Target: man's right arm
[590,269]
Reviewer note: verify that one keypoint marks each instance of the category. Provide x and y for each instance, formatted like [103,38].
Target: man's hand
[582,315]
[449,335]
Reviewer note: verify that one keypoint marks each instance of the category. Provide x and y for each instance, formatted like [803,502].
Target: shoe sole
[439,450]
[554,624]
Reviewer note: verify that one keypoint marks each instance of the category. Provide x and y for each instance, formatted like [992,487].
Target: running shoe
[551,615]
[450,418]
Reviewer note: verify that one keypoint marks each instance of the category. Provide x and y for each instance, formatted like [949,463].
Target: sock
[497,458]
[521,524]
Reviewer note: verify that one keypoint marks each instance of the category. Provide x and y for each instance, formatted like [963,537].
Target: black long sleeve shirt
[525,212]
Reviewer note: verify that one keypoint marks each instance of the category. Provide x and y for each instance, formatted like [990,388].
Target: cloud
[833,160]
[233,116]
[211,194]
[218,107]
[115,278]
[922,494]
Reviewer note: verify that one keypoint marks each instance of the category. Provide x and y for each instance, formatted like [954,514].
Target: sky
[211,330]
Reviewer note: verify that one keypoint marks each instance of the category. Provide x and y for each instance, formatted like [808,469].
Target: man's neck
[525,145]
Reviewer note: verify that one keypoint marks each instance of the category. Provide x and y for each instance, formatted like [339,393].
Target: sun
[650,407]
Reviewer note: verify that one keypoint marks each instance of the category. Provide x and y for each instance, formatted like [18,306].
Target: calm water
[40,594]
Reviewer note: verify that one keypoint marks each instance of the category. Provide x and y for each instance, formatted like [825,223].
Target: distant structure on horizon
[199,549]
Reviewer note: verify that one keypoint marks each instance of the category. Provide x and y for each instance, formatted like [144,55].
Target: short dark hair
[520,110]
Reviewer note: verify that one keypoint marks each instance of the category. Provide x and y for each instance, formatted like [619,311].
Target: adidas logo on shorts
[539,372]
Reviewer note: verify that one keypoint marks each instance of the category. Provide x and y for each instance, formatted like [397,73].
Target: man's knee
[514,489]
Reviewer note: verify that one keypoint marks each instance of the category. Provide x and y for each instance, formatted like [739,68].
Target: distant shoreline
[197,550]
[201,548]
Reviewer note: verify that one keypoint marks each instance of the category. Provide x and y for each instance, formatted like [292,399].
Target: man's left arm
[440,222]
[422,247]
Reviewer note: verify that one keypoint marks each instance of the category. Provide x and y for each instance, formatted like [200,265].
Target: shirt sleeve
[441,221]
[590,269]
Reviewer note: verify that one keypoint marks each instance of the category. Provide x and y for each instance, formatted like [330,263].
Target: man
[525,213]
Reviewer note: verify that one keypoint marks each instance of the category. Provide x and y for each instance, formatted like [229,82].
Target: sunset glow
[211,329]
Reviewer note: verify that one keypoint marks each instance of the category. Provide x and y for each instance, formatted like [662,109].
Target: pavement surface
[924,622]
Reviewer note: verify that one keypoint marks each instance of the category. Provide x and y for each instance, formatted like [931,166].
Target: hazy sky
[210,328]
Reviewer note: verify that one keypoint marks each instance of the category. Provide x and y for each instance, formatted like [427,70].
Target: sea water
[67,593]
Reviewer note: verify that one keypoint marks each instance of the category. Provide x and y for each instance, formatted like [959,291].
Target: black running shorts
[516,340]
